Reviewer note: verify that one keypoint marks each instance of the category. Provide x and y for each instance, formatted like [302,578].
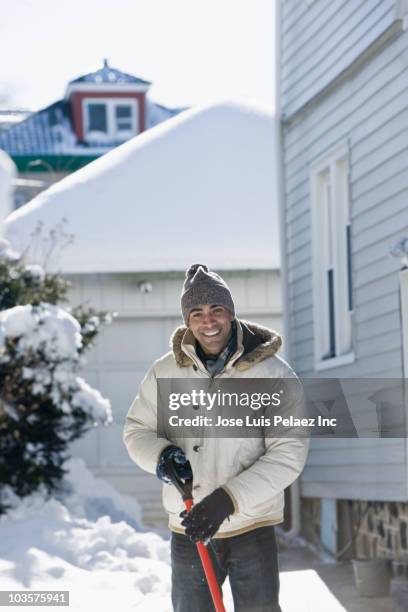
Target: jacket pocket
[266,509]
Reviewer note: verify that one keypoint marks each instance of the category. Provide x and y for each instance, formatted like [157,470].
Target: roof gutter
[281,188]
[295,515]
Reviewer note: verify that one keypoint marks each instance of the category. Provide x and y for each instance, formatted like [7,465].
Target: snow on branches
[41,344]
[44,403]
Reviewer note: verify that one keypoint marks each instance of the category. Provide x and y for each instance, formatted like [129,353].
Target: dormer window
[123,113]
[110,119]
[97,117]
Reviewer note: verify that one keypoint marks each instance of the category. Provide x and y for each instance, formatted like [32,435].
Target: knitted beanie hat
[204,287]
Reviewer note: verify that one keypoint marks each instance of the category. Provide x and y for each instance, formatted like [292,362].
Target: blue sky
[192,50]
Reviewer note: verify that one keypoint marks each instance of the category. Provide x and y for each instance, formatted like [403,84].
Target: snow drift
[90,541]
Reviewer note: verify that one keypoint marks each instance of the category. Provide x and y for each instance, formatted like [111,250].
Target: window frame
[113,134]
[403,277]
[334,254]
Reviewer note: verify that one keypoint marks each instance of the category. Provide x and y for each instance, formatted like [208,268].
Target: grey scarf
[215,365]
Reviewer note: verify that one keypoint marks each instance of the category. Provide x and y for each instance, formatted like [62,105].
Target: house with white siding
[198,188]
[342,102]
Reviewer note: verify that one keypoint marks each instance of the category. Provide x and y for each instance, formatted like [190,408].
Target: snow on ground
[88,540]
[306,586]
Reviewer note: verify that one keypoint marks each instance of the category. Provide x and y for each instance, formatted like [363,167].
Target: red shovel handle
[185,489]
[208,569]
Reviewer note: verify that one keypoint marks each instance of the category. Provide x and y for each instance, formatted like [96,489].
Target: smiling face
[211,326]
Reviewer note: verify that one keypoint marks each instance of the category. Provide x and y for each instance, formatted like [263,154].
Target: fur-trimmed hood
[258,343]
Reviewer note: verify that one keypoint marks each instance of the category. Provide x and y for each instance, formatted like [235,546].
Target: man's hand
[205,518]
[180,462]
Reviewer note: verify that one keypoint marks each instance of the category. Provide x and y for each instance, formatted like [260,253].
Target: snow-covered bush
[44,403]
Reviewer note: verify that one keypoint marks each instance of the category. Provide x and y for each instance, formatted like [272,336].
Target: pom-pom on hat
[204,287]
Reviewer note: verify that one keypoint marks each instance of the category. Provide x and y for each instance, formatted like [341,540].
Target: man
[238,484]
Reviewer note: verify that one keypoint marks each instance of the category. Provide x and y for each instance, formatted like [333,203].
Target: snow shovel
[185,488]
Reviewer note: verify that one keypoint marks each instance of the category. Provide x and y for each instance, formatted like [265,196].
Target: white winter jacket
[253,471]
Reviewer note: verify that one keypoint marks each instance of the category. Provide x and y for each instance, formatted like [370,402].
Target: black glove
[204,519]
[180,462]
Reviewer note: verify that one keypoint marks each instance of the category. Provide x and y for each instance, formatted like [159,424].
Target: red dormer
[108,106]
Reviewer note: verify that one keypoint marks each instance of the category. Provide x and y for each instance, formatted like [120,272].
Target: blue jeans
[250,560]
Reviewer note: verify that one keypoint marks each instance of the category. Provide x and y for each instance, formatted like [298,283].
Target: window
[123,114]
[332,263]
[97,119]
[110,120]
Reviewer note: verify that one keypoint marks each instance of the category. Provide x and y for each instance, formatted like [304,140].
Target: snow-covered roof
[198,187]
[107,74]
[10,117]
[50,131]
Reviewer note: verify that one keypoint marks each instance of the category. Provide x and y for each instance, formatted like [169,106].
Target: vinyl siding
[370,113]
[321,40]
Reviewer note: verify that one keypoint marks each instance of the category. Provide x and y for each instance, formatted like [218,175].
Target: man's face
[211,326]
